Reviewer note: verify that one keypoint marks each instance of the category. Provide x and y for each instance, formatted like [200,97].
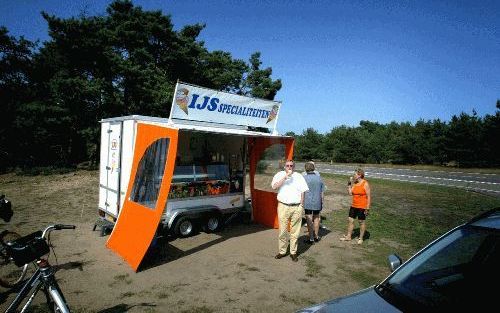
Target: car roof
[489,219]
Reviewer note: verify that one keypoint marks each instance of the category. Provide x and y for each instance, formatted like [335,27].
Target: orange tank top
[359,197]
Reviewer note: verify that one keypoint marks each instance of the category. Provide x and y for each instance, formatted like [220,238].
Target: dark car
[458,271]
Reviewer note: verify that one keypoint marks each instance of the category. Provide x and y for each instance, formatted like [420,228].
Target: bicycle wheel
[10,273]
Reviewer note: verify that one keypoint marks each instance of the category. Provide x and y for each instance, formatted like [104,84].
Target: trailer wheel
[213,223]
[184,227]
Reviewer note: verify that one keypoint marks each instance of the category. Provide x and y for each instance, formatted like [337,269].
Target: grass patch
[127,294]
[177,287]
[405,217]
[313,269]
[198,309]
[245,267]
[414,214]
[298,301]
[124,278]
[48,170]
[163,295]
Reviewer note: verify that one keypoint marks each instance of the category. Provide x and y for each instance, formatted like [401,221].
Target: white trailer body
[209,176]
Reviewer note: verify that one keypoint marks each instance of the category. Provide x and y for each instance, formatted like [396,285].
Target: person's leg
[310,225]
[362,229]
[295,219]
[350,228]
[316,222]
[350,225]
[362,225]
[283,229]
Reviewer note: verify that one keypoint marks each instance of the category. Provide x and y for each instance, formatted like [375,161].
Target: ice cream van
[187,172]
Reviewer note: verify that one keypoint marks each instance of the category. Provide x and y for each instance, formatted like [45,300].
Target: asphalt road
[478,182]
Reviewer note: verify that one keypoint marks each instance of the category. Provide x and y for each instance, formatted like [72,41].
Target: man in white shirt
[291,187]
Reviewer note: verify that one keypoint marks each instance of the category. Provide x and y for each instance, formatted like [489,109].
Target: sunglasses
[289,165]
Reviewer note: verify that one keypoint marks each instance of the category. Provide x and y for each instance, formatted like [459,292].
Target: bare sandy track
[231,271]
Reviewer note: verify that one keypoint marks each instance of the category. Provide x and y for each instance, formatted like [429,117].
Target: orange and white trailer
[186,172]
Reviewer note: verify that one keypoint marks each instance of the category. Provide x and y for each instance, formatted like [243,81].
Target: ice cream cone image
[181,99]
[273,113]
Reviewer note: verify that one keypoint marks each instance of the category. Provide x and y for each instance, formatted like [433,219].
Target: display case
[204,180]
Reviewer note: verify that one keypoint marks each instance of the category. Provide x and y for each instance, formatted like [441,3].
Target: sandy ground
[231,271]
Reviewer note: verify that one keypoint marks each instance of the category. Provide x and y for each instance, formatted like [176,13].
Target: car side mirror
[394,261]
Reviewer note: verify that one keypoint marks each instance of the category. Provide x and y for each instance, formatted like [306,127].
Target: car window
[457,252]
[451,270]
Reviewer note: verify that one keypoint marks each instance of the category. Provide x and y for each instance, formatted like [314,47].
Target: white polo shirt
[291,190]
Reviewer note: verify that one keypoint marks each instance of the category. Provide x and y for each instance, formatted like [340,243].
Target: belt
[289,204]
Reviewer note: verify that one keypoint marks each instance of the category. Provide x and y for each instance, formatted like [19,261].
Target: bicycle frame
[43,277]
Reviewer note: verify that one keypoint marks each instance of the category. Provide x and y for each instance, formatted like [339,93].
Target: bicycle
[32,248]
[10,274]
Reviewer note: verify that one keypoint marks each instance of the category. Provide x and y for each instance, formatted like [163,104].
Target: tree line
[127,61]
[467,140]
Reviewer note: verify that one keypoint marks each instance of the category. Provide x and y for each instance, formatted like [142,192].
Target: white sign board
[206,105]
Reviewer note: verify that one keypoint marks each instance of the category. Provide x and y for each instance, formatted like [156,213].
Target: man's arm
[278,183]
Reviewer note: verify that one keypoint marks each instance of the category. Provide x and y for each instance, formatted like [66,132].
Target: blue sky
[340,61]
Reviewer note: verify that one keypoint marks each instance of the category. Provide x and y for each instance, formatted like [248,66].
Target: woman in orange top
[359,189]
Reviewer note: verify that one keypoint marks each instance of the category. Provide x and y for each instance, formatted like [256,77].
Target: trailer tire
[184,227]
[213,223]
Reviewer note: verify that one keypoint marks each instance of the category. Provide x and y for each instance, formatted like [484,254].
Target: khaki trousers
[294,215]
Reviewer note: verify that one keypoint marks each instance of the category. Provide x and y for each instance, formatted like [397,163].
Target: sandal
[344,238]
[360,241]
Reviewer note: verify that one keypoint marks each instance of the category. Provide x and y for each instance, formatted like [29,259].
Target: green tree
[310,145]
[257,82]
[121,63]
[344,144]
[490,149]
[16,66]
[464,139]
[374,141]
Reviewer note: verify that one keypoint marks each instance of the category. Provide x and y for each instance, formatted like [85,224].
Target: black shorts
[357,213]
[313,212]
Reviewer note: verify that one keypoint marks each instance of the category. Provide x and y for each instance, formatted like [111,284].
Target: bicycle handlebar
[62,226]
[56,227]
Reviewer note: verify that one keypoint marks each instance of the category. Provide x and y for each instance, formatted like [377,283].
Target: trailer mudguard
[265,203]
[152,169]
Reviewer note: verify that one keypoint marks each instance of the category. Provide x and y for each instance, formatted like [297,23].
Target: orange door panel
[152,169]
[264,203]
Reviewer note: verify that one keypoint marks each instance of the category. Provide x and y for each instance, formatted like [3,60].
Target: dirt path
[231,271]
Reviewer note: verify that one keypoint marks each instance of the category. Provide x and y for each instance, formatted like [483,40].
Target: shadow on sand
[161,251]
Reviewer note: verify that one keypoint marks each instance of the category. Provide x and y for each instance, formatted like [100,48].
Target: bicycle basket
[28,248]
